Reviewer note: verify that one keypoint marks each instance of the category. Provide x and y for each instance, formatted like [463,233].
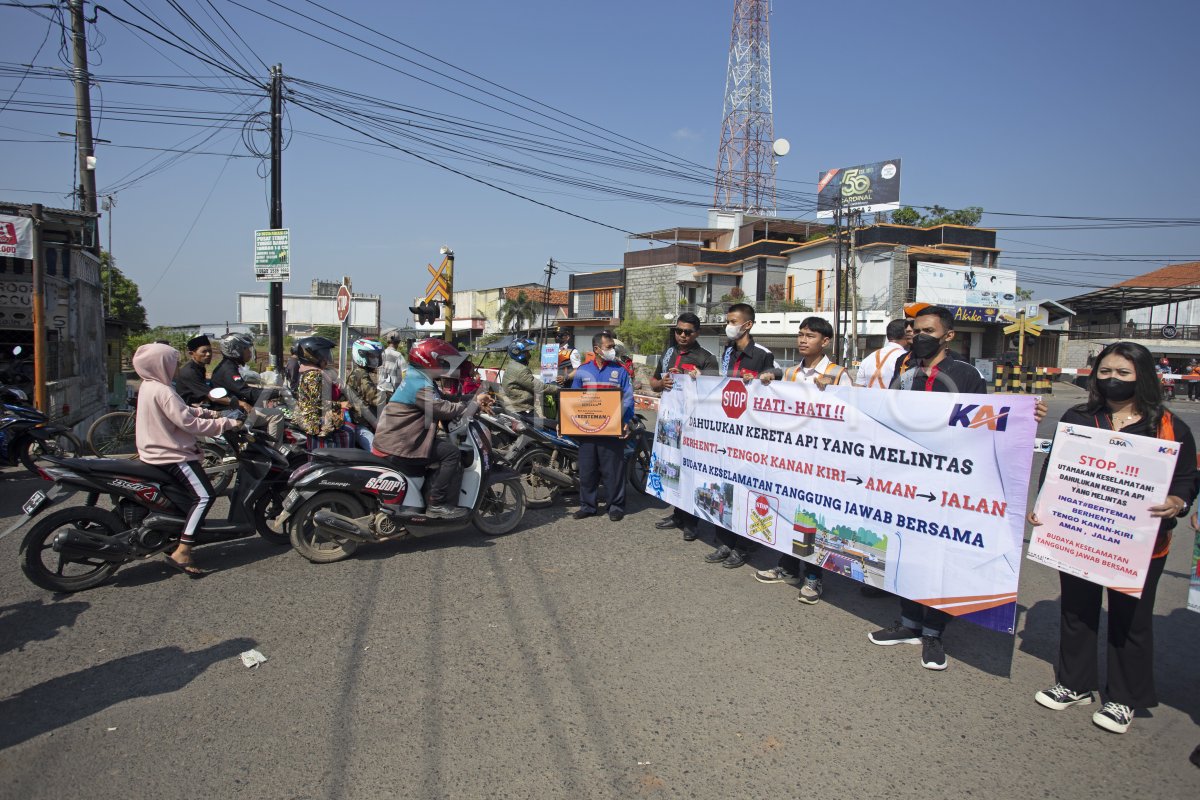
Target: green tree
[906,215]
[643,336]
[177,339]
[126,300]
[938,215]
[519,313]
[331,332]
[1024,294]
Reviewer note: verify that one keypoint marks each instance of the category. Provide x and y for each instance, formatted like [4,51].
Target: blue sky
[1064,108]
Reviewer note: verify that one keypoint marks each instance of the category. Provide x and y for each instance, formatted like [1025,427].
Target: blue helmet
[520,349]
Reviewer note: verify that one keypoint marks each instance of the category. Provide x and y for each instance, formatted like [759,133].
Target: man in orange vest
[876,369]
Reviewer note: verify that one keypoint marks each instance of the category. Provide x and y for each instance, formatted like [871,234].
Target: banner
[920,494]
[867,188]
[549,362]
[979,288]
[16,237]
[1095,505]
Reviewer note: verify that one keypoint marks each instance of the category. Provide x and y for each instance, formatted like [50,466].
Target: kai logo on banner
[977,416]
[734,399]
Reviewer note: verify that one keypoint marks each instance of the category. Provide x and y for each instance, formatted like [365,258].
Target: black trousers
[792,564]
[601,457]
[445,466]
[189,475]
[929,621]
[735,542]
[1130,639]
[684,519]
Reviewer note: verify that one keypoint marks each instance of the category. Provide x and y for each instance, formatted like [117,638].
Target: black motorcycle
[26,434]
[80,547]
[347,497]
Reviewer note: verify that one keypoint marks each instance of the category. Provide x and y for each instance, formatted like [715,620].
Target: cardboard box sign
[589,412]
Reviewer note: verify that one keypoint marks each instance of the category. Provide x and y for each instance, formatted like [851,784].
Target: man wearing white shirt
[813,367]
[876,369]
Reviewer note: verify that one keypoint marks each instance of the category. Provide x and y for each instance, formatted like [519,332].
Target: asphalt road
[570,659]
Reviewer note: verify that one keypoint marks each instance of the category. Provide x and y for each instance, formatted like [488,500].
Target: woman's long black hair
[1147,395]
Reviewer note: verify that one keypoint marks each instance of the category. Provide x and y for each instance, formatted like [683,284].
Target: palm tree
[519,313]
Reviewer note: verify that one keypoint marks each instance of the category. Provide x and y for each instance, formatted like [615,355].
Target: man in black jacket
[236,350]
[684,357]
[192,380]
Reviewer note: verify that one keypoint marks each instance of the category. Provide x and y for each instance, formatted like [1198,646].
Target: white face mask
[609,355]
[733,332]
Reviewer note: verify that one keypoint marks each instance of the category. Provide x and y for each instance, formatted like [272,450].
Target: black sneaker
[735,559]
[689,534]
[933,655]
[897,634]
[666,524]
[1058,697]
[718,555]
[616,516]
[1114,717]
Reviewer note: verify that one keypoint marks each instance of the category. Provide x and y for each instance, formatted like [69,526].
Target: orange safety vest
[793,372]
[878,376]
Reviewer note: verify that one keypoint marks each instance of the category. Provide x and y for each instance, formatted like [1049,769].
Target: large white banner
[1094,505]
[16,236]
[922,494]
[976,287]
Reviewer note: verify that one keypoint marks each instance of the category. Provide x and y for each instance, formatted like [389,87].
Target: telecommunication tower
[745,163]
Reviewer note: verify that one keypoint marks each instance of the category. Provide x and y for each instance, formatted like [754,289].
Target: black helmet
[315,350]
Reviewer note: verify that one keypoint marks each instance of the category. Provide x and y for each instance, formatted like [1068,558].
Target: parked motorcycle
[347,497]
[80,547]
[27,434]
[548,461]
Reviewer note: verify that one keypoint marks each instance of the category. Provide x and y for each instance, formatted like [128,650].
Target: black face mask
[924,346]
[1116,389]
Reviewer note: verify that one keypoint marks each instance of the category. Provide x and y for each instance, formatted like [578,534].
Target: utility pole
[275,293]
[852,266]
[449,254]
[39,312]
[83,110]
[551,267]
[837,280]
[110,202]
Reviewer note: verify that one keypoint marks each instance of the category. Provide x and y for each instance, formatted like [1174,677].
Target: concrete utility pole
[449,304]
[83,110]
[275,293]
[852,265]
[837,280]
[39,312]
[551,268]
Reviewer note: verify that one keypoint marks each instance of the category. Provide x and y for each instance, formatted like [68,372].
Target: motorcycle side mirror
[218,393]
[17,350]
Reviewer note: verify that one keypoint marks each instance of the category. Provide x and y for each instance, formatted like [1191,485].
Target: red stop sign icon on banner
[343,303]
[734,399]
[761,506]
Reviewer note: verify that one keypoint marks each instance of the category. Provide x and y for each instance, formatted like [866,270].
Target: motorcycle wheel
[317,547]
[539,492]
[213,457]
[63,444]
[638,469]
[267,507]
[113,434]
[49,569]
[501,507]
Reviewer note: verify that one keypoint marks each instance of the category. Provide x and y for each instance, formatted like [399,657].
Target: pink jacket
[167,427]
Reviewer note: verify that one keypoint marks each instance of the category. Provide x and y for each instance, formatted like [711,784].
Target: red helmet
[435,355]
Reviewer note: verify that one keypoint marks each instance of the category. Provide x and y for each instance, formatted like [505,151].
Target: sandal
[189,569]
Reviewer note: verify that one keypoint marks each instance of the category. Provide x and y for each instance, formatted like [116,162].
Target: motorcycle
[80,547]
[19,370]
[27,434]
[347,497]
[548,461]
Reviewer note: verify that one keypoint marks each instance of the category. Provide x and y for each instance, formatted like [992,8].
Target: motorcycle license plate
[291,501]
[34,503]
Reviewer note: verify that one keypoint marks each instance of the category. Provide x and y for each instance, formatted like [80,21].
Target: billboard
[957,286]
[867,187]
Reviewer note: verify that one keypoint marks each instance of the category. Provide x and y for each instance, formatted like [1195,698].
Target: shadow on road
[61,701]
[36,621]
[217,557]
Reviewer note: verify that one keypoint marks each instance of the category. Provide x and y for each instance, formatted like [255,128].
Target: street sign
[273,255]
[343,303]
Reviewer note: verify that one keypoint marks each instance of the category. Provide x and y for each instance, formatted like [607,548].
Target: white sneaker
[1058,697]
[1114,717]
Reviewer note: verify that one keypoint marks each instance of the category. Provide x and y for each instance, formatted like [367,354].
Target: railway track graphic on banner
[919,494]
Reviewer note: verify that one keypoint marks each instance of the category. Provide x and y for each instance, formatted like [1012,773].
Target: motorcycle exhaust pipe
[339,525]
[554,476]
[76,544]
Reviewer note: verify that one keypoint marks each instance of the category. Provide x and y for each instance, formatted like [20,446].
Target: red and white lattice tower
[745,163]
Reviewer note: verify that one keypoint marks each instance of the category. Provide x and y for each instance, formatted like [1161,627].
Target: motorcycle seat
[116,466]
[353,455]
